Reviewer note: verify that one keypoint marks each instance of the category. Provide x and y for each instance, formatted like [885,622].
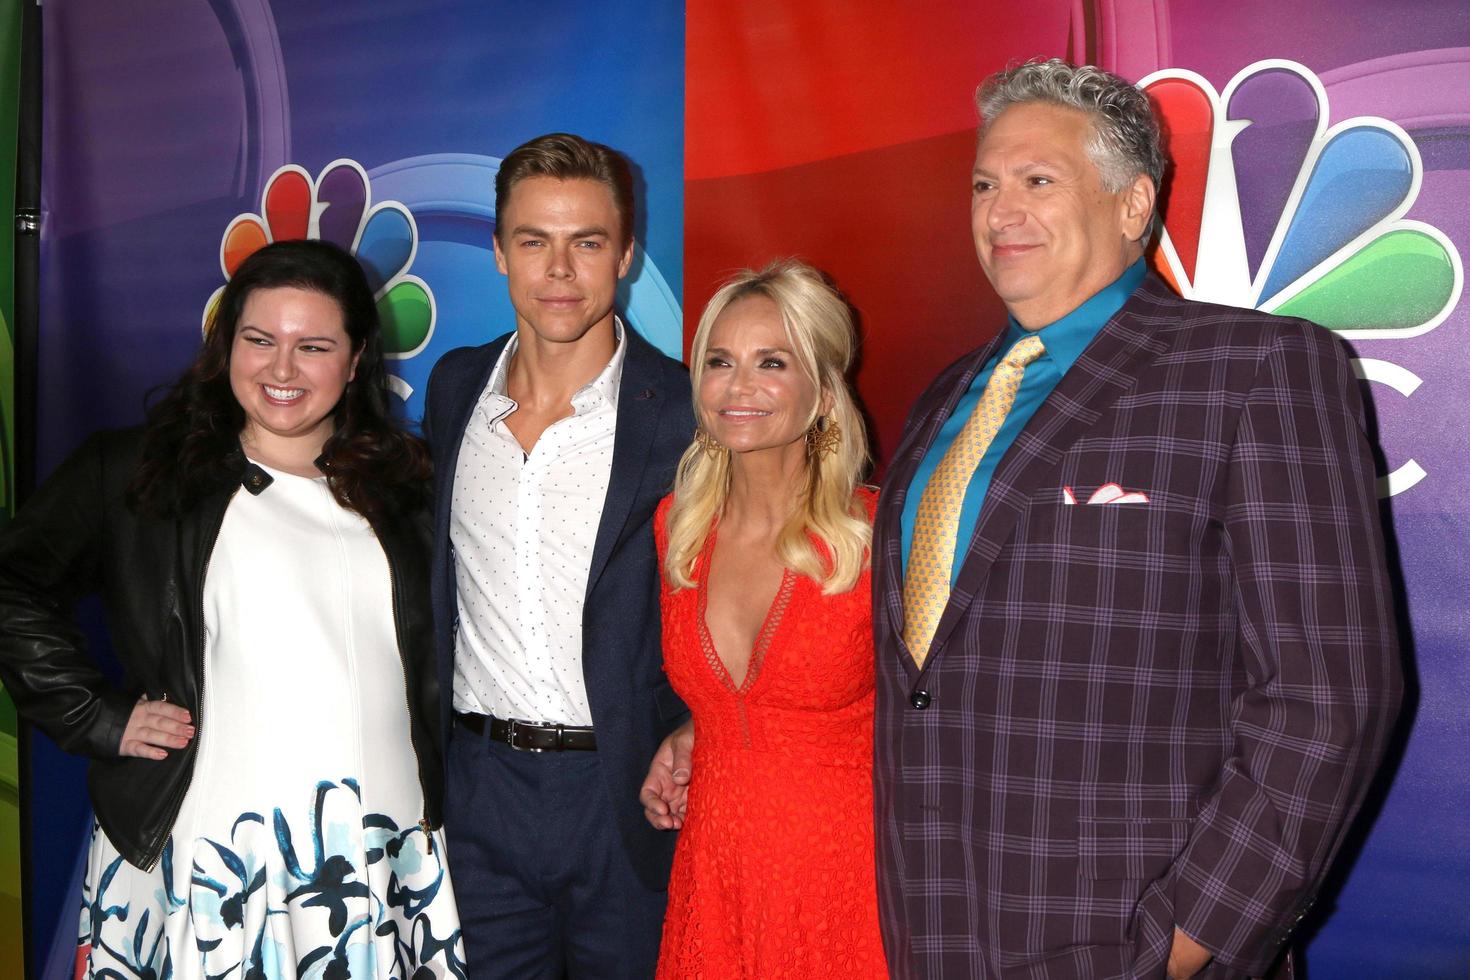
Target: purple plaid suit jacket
[1139,715]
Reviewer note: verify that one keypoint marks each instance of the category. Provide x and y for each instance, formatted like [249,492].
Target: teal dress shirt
[1064,340]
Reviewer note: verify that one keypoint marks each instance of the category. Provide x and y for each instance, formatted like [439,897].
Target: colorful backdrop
[1324,158]
[11,935]
[177,133]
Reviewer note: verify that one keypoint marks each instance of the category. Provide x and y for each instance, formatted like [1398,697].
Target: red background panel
[843,133]
[776,83]
[891,226]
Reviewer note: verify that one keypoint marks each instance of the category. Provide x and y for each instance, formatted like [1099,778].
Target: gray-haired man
[1136,659]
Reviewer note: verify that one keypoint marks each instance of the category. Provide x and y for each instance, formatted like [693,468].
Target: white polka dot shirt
[522,528]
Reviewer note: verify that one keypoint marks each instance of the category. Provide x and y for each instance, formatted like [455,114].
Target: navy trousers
[544,886]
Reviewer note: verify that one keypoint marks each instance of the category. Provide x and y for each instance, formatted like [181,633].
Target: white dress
[298,851]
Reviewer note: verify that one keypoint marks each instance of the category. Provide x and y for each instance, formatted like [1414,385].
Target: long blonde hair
[821,331]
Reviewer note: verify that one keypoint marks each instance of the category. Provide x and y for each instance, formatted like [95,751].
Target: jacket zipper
[424,823]
[177,803]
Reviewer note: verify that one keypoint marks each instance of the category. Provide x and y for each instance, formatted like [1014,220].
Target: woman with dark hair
[264,775]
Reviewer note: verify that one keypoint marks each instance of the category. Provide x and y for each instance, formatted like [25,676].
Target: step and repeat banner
[180,133]
[1322,157]
[1321,169]
[11,922]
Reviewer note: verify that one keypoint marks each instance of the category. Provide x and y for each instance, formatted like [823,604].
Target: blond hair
[820,327]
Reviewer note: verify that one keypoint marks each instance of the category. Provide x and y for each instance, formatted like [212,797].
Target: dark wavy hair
[191,441]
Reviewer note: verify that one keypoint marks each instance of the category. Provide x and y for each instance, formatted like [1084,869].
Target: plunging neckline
[774,614]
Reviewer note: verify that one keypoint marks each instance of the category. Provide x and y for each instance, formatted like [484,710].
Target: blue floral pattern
[339,893]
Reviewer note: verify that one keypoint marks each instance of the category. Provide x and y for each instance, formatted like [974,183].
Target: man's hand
[665,793]
[1186,957]
[153,728]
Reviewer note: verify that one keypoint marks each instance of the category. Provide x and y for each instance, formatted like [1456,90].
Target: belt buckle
[513,725]
[510,735]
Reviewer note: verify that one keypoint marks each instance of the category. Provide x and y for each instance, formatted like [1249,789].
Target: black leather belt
[530,736]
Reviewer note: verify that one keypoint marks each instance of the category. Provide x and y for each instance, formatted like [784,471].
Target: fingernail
[681,772]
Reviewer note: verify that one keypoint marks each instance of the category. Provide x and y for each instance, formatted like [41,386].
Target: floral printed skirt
[327,891]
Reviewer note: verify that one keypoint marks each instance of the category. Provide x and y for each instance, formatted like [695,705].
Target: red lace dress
[774,876]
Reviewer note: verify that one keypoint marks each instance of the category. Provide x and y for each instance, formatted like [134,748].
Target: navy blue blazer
[633,706]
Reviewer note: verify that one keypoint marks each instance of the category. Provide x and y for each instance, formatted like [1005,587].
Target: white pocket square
[1109,493]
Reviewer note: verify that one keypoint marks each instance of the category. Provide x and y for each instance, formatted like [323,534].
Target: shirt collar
[1065,339]
[603,388]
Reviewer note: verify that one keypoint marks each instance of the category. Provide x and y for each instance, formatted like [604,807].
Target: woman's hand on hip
[154,727]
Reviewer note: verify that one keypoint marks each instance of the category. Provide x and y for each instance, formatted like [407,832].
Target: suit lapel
[1106,369]
[639,402]
[448,436]
[937,406]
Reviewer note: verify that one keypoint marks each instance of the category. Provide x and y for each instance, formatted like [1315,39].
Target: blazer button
[920,700]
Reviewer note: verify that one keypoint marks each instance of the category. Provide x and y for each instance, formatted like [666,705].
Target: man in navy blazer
[1128,737]
[552,447]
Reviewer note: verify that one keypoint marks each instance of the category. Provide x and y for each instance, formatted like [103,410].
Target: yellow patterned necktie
[931,553]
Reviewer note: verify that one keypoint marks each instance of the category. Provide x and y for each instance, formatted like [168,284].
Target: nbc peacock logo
[1271,208]
[337,207]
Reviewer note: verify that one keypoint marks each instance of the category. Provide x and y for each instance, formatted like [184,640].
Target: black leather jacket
[76,536]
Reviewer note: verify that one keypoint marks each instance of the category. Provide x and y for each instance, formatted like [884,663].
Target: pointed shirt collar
[1066,338]
[602,389]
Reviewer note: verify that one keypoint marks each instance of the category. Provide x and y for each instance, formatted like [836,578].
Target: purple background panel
[162,120]
[1397,905]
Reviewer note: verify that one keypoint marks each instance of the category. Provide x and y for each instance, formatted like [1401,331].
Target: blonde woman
[767,637]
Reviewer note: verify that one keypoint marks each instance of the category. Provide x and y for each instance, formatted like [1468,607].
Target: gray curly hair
[1125,140]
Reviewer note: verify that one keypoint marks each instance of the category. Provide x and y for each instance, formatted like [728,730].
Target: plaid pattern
[1149,714]
[931,555]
